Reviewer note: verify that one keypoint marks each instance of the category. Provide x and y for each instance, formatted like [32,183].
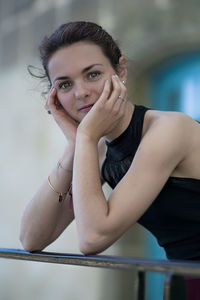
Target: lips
[86,107]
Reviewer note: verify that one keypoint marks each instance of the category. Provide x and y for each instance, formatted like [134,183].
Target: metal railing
[169,268]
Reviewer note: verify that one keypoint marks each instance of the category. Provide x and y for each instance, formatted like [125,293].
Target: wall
[148,31]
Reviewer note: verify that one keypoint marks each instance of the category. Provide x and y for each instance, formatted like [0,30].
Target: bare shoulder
[175,123]
[176,136]
[167,116]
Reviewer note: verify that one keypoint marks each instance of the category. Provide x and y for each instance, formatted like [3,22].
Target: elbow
[29,247]
[92,246]
[87,249]
[28,244]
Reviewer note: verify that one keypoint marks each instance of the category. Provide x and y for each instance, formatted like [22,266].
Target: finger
[123,91]
[116,92]
[52,94]
[122,95]
[51,99]
[51,103]
[46,106]
[118,96]
[106,92]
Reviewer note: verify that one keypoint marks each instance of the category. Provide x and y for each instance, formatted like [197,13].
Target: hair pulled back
[73,32]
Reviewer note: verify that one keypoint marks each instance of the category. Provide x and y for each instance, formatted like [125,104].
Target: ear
[122,69]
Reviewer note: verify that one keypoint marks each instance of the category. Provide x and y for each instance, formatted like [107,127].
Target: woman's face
[78,73]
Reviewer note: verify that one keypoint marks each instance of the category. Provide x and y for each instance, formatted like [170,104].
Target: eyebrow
[83,71]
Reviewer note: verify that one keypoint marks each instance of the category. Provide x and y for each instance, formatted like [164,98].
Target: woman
[150,158]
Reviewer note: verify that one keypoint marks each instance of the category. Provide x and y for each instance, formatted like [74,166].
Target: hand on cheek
[107,111]
[114,91]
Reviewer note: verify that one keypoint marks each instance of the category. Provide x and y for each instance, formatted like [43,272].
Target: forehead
[71,59]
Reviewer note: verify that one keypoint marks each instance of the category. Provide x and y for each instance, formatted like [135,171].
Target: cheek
[65,101]
[99,87]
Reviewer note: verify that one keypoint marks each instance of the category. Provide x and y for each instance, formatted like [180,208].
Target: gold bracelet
[60,195]
[60,166]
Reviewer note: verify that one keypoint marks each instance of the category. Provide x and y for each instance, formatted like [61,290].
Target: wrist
[66,161]
[88,138]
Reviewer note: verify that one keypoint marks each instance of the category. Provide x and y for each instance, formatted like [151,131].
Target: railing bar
[141,285]
[167,285]
[112,262]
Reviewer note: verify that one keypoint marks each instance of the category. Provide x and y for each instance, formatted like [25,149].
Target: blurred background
[161,40]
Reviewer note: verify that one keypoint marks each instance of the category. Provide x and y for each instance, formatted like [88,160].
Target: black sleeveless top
[174,216]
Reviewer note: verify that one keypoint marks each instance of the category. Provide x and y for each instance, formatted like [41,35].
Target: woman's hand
[106,112]
[62,118]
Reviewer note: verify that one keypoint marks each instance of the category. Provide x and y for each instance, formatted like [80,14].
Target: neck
[123,123]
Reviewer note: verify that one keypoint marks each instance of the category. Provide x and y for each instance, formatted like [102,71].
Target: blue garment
[174,216]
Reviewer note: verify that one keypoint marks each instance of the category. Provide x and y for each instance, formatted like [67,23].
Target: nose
[81,90]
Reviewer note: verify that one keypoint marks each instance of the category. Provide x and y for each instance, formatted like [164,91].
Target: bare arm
[45,218]
[100,223]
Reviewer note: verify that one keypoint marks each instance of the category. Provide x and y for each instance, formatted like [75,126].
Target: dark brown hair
[73,32]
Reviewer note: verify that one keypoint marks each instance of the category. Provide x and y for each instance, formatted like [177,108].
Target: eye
[94,74]
[64,85]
